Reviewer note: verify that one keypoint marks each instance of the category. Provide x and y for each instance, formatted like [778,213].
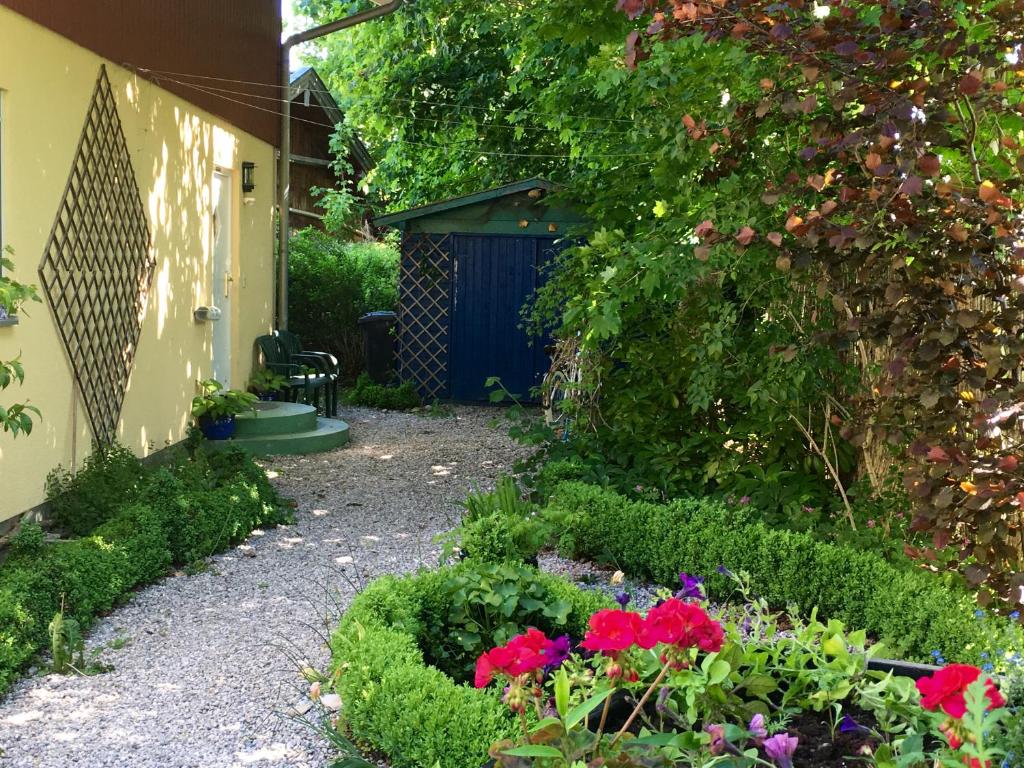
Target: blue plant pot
[219,429]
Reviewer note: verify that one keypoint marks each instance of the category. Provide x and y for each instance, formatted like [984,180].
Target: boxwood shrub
[152,519]
[397,703]
[914,612]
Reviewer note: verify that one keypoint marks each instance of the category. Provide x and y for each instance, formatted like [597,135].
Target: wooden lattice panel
[97,268]
[424,313]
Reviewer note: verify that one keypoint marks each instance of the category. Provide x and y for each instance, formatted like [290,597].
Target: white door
[223,282]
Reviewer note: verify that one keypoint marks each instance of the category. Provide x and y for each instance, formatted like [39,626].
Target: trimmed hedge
[183,513]
[394,701]
[912,611]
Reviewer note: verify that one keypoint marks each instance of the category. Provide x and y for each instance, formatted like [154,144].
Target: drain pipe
[284,161]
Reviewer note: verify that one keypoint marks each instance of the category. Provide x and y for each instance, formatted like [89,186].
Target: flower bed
[684,684]
[915,612]
[387,650]
[133,525]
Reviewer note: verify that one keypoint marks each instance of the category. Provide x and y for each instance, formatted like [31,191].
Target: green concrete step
[276,418]
[326,436]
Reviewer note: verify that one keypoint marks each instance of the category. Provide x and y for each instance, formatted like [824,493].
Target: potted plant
[215,408]
[267,385]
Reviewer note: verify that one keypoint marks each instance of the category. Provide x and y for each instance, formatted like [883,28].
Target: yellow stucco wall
[46,84]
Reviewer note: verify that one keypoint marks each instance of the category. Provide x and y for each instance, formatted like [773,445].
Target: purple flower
[718,742]
[725,572]
[693,587]
[780,749]
[744,500]
[623,598]
[757,729]
[849,725]
[558,651]
[661,704]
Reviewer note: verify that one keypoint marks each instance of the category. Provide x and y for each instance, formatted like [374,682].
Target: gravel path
[205,666]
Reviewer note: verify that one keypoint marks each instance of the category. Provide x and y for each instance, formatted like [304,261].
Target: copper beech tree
[902,204]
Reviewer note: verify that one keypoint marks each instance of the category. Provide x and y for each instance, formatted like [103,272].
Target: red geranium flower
[497,661]
[684,625]
[522,654]
[531,651]
[612,631]
[945,690]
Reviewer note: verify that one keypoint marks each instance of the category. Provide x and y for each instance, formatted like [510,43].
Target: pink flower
[871,523]
[757,729]
[780,749]
[718,743]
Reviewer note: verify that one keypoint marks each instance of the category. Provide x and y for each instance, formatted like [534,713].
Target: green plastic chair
[327,365]
[297,370]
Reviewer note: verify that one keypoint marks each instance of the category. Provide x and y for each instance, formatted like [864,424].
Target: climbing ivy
[15,418]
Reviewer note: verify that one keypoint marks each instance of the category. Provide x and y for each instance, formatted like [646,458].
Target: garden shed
[469,264]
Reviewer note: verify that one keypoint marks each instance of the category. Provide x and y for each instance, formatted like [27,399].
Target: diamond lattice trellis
[97,268]
[423,315]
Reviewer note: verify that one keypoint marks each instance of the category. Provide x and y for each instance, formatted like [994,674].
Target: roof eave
[400,217]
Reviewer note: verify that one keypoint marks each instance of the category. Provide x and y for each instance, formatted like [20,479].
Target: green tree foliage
[334,283]
[802,269]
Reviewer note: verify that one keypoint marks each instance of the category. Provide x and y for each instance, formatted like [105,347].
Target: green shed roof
[510,209]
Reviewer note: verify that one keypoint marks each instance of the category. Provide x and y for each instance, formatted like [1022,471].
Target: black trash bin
[379,345]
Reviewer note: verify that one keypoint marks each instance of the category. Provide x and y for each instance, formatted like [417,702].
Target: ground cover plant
[395,397]
[128,524]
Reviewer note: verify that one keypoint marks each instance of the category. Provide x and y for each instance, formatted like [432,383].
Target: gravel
[204,667]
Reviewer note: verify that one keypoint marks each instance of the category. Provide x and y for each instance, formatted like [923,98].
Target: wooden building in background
[315,113]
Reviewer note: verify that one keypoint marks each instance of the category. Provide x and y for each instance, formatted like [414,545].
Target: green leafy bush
[370,394]
[333,284]
[1013,688]
[28,540]
[109,477]
[498,526]
[914,612]
[485,605]
[401,706]
[179,513]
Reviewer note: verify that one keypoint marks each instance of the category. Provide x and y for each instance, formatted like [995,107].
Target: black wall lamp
[248,177]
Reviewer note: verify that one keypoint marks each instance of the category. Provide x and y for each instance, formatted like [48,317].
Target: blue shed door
[494,277]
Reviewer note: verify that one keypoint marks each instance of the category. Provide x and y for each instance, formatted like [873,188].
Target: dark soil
[818,748]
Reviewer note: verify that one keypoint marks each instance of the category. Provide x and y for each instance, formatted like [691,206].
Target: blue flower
[987,667]
[849,725]
[1015,615]
[979,614]
[623,599]
[936,654]
[984,655]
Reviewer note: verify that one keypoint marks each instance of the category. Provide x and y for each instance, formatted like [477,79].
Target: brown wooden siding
[232,39]
[311,138]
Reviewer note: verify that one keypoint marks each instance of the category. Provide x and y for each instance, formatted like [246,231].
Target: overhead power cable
[157,72]
[469,150]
